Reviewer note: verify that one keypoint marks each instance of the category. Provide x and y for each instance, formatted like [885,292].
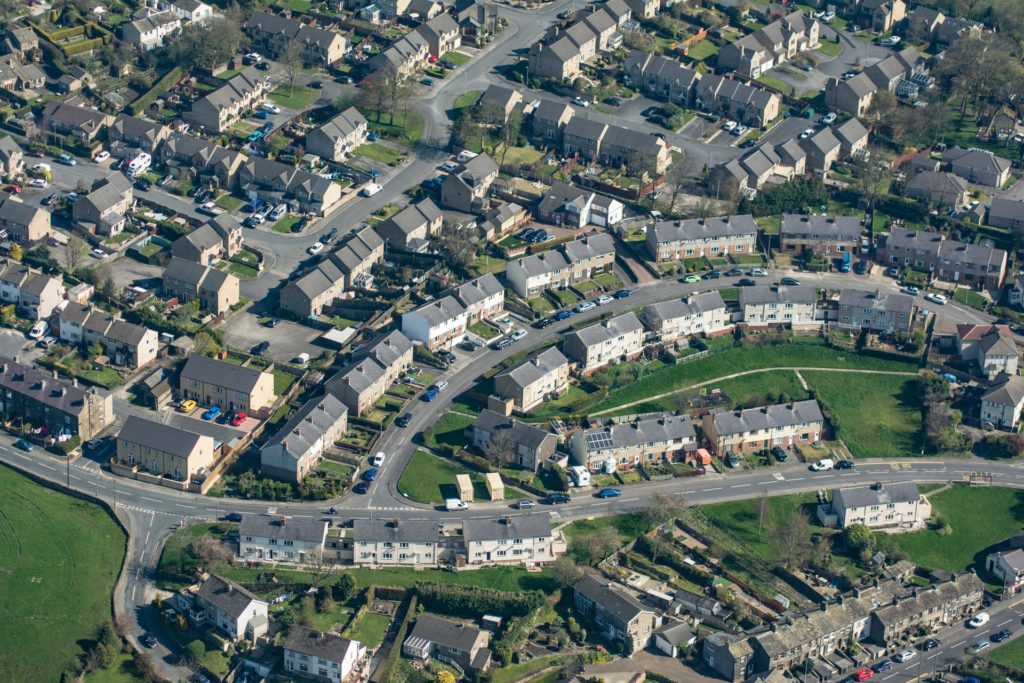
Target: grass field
[449,429]
[1010,654]
[878,415]
[59,558]
[369,630]
[379,153]
[744,391]
[979,518]
[519,672]
[429,479]
[797,354]
[740,519]
[298,98]
[400,131]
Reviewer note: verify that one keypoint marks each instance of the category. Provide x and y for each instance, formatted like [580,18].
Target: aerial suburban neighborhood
[512,341]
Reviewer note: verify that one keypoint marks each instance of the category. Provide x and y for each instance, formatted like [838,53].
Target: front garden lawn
[484,329]
[830,48]
[457,58]
[229,202]
[285,224]
[429,479]
[979,518]
[400,130]
[875,415]
[773,82]
[380,153]
[969,297]
[466,99]
[449,429]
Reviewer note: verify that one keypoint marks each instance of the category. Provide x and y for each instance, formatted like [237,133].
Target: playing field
[59,559]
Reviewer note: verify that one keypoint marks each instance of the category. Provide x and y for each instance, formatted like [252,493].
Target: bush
[472,601]
[195,650]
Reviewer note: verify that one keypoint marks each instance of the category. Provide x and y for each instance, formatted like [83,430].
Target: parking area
[14,343]
[287,340]
[219,425]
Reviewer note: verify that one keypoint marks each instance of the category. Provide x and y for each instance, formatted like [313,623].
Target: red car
[238,419]
[864,674]
[13,189]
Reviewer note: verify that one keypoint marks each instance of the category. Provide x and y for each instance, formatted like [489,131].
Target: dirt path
[751,372]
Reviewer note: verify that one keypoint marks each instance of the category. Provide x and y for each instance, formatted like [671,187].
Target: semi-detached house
[339,137]
[277,183]
[130,133]
[528,383]
[745,103]
[438,324]
[575,261]
[612,145]
[149,32]
[482,297]
[215,290]
[783,425]
[270,34]
[714,237]
[703,314]
[765,306]
[104,210]
[161,450]
[880,506]
[533,445]
[876,311]
[220,237]
[605,342]
[35,294]
[126,344]
[374,368]
[233,609]
[409,228]
[220,109]
[624,446]
[1002,402]
[772,45]
[321,656]
[619,616]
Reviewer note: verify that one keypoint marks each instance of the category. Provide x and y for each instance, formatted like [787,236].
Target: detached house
[1008,567]
[12,157]
[703,314]
[270,34]
[978,166]
[1006,209]
[104,210]
[605,342]
[321,656]
[528,383]
[448,641]
[623,446]
[220,109]
[296,449]
[497,103]
[620,617]
[713,237]
[339,137]
[218,238]
[465,188]
[216,290]
[756,429]
[374,368]
[24,223]
[943,190]
[991,347]
[441,33]
[231,608]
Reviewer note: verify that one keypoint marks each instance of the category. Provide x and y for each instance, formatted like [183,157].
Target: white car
[739,130]
[272,108]
[905,656]
[580,102]
[935,298]
[517,334]
[828,119]
[465,155]
[526,503]
[454,504]
[828,17]
[38,182]
[823,465]
[254,57]
[39,330]
[604,299]
[729,125]
[378,459]
[978,620]
[441,386]
[891,41]
[585,306]
[448,166]
[911,290]
[315,248]
[807,133]
[759,272]
[99,253]
[371,189]
[102,156]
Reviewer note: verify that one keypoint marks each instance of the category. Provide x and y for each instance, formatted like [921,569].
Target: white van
[371,189]
[139,164]
[378,459]
[278,212]
[454,505]
[823,465]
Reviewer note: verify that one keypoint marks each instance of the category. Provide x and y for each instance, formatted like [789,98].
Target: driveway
[126,271]
[287,340]
[14,343]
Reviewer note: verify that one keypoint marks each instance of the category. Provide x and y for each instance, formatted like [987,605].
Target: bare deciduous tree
[210,551]
[319,567]
[501,449]
[565,571]
[291,59]
[75,252]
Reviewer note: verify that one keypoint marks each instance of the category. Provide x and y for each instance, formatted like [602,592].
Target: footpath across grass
[59,559]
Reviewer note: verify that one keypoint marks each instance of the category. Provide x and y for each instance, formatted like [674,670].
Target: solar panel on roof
[599,441]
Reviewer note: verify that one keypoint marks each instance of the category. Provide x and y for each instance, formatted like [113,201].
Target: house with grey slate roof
[783,425]
[233,609]
[977,166]
[1007,566]
[605,342]
[703,315]
[779,305]
[712,237]
[212,382]
[339,137]
[323,657]
[972,265]
[450,642]
[215,290]
[533,445]
[374,368]
[297,447]
[439,324]
[465,188]
[621,618]
[45,400]
[280,539]
[163,451]
[270,34]
[822,234]
[941,189]
[876,311]
[623,446]
[129,133]
[105,208]
[1007,208]
[219,110]
[896,505]
[536,378]
[409,228]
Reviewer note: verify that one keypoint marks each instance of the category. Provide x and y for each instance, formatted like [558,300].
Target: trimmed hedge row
[470,601]
[168,79]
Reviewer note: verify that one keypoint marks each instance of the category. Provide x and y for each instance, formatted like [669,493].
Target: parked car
[881,666]
[732,461]
[141,185]
[378,459]
[845,465]
[623,293]
[238,418]
[807,133]
[980,646]
[525,503]
[38,183]
[557,498]
[584,306]
[713,275]
[931,644]
[361,488]
[758,272]
[822,465]
[729,126]
[911,290]
[23,445]
[978,620]
[863,674]
[67,160]
[315,249]
[1002,635]
[779,454]
[580,102]
[403,420]
[430,394]
[935,298]
[691,278]
[163,181]
[271,107]
[51,199]
[828,119]
[12,189]
[604,299]
[187,406]
[39,329]
[261,348]
[734,272]
[746,282]
[608,493]
[904,656]
[101,156]
[427,81]
[370,474]
[789,282]
[211,413]
[563,315]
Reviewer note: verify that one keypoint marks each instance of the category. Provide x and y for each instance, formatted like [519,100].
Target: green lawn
[457,58]
[701,50]
[877,415]
[519,672]
[283,381]
[107,377]
[466,99]
[242,271]
[369,630]
[740,519]
[830,48]
[229,202]
[121,671]
[721,363]
[969,297]
[285,224]
[228,74]
[484,329]
[630,526]
[429,479]
[401,131]
[1009,654]
[449,430]
[380,153]
[773,82]
[300,6]
[979,517]
[59,559]
[298,98]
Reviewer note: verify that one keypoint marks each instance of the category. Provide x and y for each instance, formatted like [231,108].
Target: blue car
[609,493]
[23,445]
[430,395]
[212,413]
[562,315]
[370,474]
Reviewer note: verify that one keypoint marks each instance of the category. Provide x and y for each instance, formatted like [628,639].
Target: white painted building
[439,324]
[280,539]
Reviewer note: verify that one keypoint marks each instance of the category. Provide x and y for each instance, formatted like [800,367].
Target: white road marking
[717,488]
[739,486]
[43,464]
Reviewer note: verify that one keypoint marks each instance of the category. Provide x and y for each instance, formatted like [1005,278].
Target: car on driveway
[141,185]
[449,166]
[98,253]
[211,413]
[238,418]
[779,454]
[261,348]
[38,183]
[828,119]
[608,493]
